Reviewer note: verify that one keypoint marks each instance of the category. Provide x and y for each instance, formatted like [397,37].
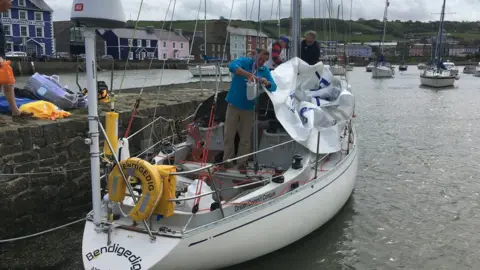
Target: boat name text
[119,251]
[129,165]
[258,200]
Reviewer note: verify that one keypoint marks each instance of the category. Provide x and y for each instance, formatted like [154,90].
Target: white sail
[310,99]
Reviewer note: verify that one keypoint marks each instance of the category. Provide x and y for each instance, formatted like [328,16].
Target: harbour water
[416,200]
[133,78]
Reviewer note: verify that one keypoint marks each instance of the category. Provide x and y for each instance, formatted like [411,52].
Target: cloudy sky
[421,10]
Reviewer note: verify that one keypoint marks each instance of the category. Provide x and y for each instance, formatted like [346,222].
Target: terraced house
[28,27]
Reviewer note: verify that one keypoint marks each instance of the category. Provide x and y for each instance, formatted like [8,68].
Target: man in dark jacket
[310,49]
[8,89]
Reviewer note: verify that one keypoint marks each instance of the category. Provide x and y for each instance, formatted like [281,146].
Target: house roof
[164,35]
[245,32]
[61,26]
[159,34]
[41,5]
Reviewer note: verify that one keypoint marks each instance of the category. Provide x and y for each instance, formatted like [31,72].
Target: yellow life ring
[152,186]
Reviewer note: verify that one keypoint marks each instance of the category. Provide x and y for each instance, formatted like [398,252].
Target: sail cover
[309,100]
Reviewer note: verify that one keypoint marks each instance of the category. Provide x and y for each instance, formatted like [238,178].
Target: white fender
[123,151]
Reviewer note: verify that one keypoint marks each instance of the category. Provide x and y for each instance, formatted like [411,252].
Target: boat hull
[402,68]
[469,70]
[254,232]
[437,81]
[477,73]
[369,69]
[337,70]
[382,72]
[208,71]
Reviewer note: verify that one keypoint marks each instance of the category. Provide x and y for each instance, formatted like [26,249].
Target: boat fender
[151,182]
[297,162]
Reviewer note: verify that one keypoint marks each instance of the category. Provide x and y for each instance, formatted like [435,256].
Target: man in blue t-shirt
[240,110]
[8,89]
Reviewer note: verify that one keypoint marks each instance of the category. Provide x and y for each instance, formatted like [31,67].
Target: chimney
[178,31]
[150,29]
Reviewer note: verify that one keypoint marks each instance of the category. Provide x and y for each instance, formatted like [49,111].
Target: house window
[130,42]
[173,45]
[139,43]
[23,31]
[249,38]
[202,48]
[213,47]
[243,46]
[76,34]
[130,55]
[22,3]
[249,46]
[164,56]
[164,44]
[219,47]
[22,14]
[235,45]
[6,14]
[9,47]
[150,55]
[7,29]
[39,31]
[38,16]
[181,45]
[148,43]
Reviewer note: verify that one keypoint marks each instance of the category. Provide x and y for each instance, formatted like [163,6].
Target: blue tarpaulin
[5,108]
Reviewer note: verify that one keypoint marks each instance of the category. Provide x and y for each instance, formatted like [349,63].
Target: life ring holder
[150,180]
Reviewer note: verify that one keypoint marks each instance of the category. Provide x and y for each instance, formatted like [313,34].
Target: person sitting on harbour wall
[240,110]
[275,50]
[8,89]
[310,49]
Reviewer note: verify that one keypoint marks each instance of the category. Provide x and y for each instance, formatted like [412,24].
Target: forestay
[310,99]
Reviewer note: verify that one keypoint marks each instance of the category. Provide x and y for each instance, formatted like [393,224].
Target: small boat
[383,69]
[451,66]
[470,69]
[337,69]
[421,66]
[350,66]
[437,78]
[437,74]
[402,67]
[477,71]
[370,67]
[208,70]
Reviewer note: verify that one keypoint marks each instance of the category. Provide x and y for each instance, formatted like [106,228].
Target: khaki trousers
[241,121]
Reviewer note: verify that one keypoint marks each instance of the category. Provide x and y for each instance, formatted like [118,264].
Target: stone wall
[58,189]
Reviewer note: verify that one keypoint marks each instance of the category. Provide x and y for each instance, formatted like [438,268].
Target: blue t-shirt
[237,94]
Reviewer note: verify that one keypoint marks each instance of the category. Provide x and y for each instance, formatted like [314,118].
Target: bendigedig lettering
[119,251]
[142,170]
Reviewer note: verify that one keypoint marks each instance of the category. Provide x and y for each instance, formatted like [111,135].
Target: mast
[384,24]
[279,18]
[440,33]
[205,31]
[296,17]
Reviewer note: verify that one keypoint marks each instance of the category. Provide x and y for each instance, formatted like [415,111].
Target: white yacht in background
[383,69]
[451,66]
[421,66]
[435,75]
[370,66]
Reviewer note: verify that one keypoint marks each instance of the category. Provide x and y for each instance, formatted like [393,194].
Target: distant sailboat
[383,69]
[436,74]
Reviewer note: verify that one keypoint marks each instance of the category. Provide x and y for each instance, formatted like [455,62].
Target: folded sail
[310,99]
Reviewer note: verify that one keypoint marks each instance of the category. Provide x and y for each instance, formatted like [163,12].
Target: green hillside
[362,30]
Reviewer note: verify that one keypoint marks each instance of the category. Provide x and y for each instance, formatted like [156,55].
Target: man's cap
[284,39]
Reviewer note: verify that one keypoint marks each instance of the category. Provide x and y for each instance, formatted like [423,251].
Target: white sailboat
[304,169]
[206,69]
[383,69]
[435,75]
[477,71]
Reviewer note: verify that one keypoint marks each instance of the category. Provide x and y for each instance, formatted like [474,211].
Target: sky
[415,10]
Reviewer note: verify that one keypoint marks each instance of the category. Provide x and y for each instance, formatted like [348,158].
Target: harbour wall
[45,173]
[21,68]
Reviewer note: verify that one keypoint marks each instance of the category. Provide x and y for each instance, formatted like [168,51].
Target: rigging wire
[195,31]
[138,100]
[161,74]
[129,50]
